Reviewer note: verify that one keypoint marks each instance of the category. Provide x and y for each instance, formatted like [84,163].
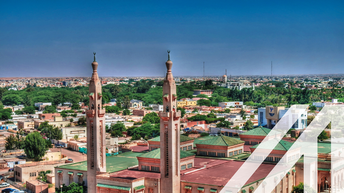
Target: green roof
[221,141]
[260,131]
[79,174]
[324,169]
[213,190]
[113,163]
[113,187]
[200,188]
[281,145]
[70,173]
[243,191]
[182,138]
[59,171]
[139,187]
[251,188]
[156,154]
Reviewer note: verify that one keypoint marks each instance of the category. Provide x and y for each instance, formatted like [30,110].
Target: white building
[322,104]
[70,132]
[301,123]
[41,103]
[156,107]
[231,104]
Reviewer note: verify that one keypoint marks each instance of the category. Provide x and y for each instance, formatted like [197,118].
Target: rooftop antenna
[203,70]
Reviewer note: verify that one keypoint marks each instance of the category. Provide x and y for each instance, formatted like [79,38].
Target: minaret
[96,158]
[169,135]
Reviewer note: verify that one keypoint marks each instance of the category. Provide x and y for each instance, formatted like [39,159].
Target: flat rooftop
[113,163]
[213,174]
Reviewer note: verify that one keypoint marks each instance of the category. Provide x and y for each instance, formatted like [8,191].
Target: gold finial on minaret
[94,63]
[169,62]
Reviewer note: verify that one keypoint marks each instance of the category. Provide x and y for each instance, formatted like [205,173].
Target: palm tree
[126,102]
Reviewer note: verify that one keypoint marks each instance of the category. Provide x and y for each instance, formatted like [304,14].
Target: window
[277,159]
[32,174]
[235,152]
[184,148]
[80,179]
[203,153]
[220,154]
[146,168]
[190,165]
[213,154]
[183,167]
[155,169]
[189,147]
[240,151]
[269,159]
[230,154]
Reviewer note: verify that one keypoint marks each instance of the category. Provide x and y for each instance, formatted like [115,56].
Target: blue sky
[57,38]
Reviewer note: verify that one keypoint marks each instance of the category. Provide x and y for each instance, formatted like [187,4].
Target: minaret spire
[94,60]
[96,156]
[169,135]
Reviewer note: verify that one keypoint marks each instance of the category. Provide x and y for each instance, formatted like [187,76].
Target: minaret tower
[169,135]
[96,158]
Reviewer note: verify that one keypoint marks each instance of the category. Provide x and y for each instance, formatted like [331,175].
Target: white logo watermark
[305,147]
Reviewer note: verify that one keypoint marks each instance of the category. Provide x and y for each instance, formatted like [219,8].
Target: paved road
[75,155]
[8,187]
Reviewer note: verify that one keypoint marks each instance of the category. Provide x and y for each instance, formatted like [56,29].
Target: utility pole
[203,70]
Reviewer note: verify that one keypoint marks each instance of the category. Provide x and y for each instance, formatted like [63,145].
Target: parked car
[69,160]
[57,145]
[3,185]
[11,169]
[8,190]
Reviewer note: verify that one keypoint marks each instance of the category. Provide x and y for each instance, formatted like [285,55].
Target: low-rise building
[231,104]
[220,146]
[186,143]
[28,124]
[151,161]
[69,132]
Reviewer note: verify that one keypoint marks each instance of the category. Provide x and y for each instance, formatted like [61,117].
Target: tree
[112,109]
[204,102]
[248,125]
[202,96]
[11,99]
[126,112]
[312,108]
[5,114]
[152,118]
[298,188]
[35,146]
[82,121]
[11,142]
[226,124]
[227,111]
[29,110]
[18,112]
[117,129]
[322,136]
[73,188]
[182,111]
[126,102]
[252,116]
[76,137]
[242,112]
[50,109]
